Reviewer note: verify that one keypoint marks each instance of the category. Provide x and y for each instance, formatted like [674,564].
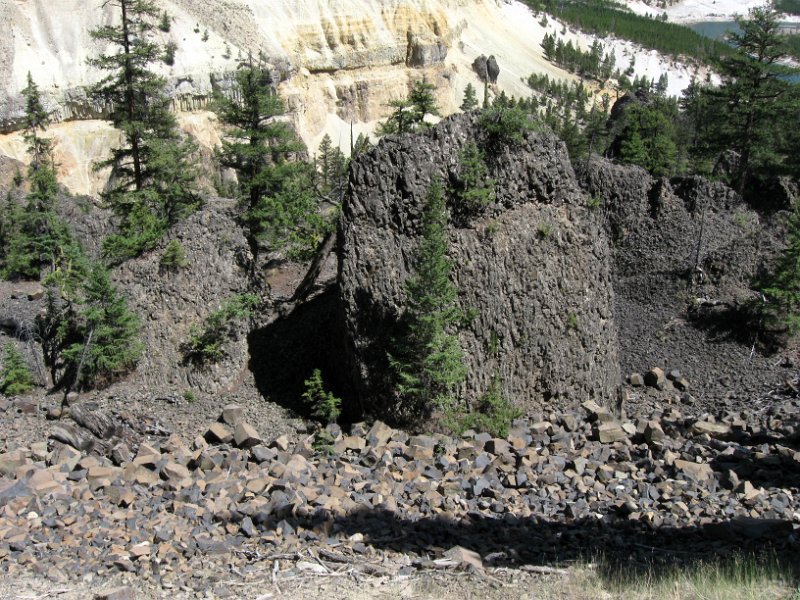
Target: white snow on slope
[695,11]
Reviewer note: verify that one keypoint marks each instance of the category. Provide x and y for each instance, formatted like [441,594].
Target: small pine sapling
[323,404]
[174,257]
[15,378]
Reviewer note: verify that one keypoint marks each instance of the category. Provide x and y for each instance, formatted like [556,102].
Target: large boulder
[533,270]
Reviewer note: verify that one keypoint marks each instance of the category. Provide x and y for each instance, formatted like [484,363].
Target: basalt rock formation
[534,270]
[570,280]
[686,252]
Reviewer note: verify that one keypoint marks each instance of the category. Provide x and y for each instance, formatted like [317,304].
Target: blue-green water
[714,29]
[718,29]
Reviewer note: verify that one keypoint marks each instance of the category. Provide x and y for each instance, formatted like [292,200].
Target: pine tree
[409,113]
[107,329]
[428,361]
[647,139]
[474,190]
[322,403]
[782,288]
[166,23]
[331,164]
[15,378]
[402,120]
[362,144]
[470,101]
[36,120]
[748,112]
[423,100]
[36,237]
[152,169]
[280,205]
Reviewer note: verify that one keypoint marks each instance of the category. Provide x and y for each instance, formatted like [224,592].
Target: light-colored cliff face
[340,61]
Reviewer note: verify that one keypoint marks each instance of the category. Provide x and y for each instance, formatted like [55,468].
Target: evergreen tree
[470,101]
[504,126]
[474,190]
[428,361]
[402,120]
[36,238]
[323,404]
[748,112]
[647,139]
[423,100]
[331,164]
[281,207]
[362,144]
[166,23]
[409,113]
[782,288]
[107,329]
[15,378]
[36,120]
[152,169]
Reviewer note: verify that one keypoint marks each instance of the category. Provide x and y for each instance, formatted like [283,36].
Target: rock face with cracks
[532,271]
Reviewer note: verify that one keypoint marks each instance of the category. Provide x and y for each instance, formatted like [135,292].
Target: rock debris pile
[560,486]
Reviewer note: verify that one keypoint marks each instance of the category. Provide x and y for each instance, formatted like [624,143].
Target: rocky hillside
[232,511]
[573,283]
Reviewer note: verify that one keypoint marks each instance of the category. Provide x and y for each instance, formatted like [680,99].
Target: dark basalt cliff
[534,269]
[686,253]
[571,282]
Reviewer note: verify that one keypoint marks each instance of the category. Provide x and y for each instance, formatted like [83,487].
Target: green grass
[737,578]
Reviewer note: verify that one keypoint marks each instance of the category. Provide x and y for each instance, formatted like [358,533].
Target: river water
[717,29]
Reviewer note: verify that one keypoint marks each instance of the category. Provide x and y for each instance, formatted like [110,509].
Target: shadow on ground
[622,549]
[284,354]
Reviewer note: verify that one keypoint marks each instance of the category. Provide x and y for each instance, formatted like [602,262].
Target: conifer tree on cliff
[276,186]
[427,359]
[750,111]
[37,239]
[153,184]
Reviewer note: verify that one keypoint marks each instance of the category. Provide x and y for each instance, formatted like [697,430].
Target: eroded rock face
[170,303]
[534,270]
[686,254]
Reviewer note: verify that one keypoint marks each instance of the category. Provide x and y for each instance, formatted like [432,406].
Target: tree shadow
[740,323]
[623,548]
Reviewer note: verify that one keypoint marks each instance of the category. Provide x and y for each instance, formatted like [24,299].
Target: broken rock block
[246,436]
[232,414]
[218,433]
[700,472]
[714,430]
[609,432]
[655,378]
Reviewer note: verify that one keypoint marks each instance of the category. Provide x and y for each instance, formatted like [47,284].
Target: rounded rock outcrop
[532,271]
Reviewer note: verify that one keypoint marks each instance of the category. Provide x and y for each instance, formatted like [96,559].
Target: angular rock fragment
[655,378]
[245,436]
[117,593]
[232,415]
[218,433]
